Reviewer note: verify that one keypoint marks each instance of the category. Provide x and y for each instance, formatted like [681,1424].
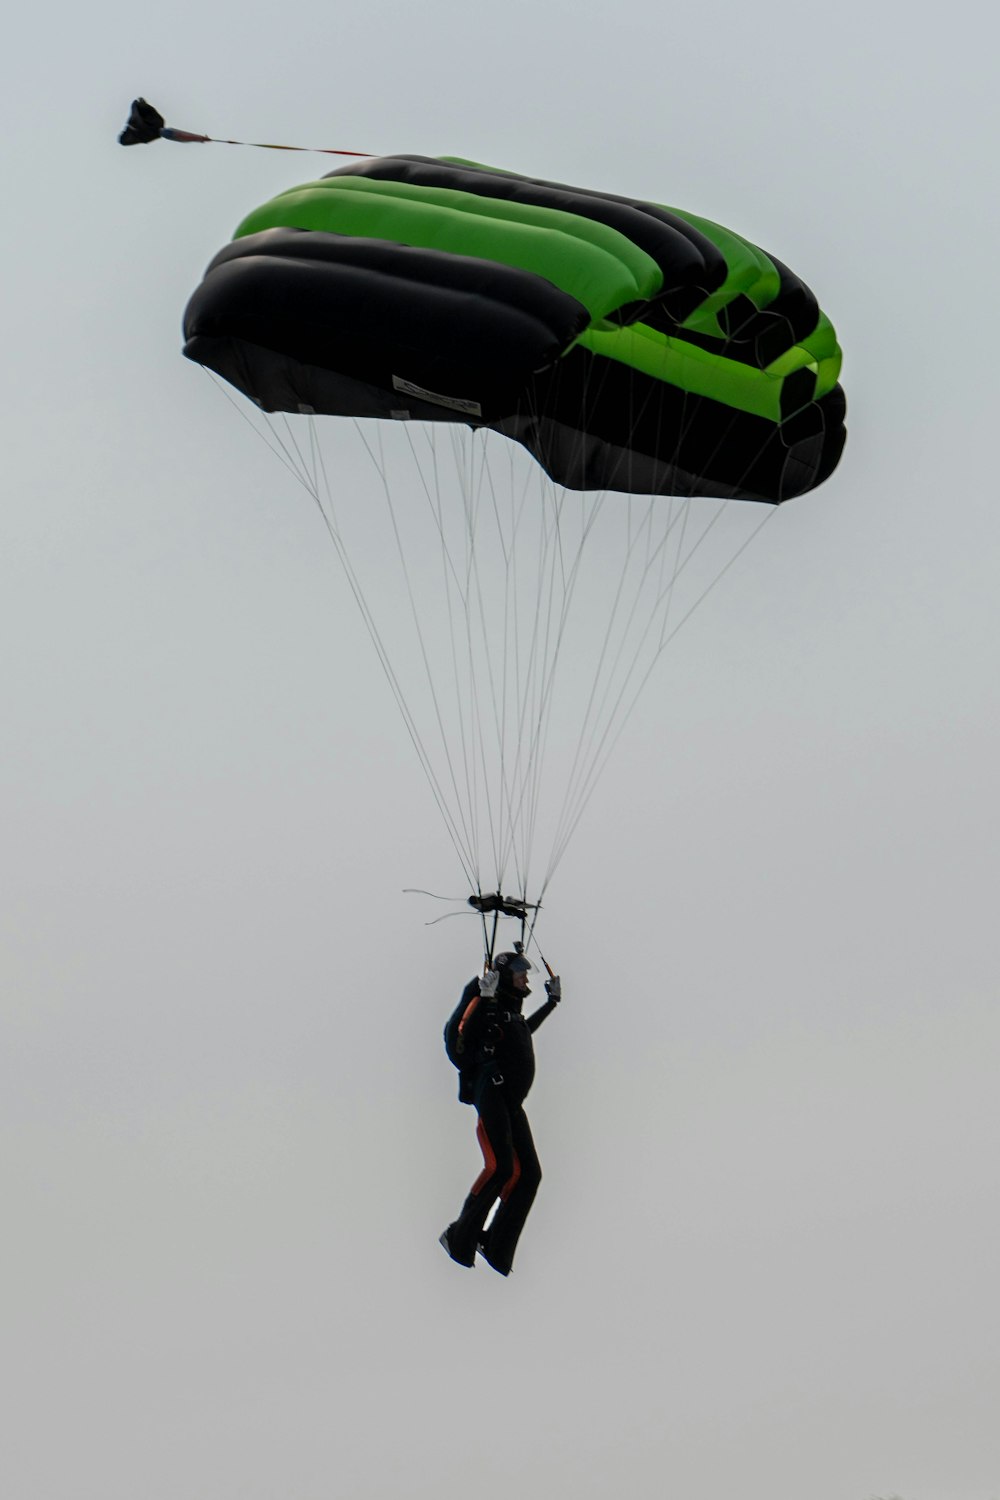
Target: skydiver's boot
[483,1249]
[445,1240]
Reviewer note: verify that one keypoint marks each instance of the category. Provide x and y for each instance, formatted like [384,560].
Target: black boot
[444,1239]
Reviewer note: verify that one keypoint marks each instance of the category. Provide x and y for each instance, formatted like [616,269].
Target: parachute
[628,346]
[631,349]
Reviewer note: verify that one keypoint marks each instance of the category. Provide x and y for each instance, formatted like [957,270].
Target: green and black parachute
[656,365]
[628,346]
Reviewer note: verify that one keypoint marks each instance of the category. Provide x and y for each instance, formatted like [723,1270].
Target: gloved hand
[488,984]
[553,988]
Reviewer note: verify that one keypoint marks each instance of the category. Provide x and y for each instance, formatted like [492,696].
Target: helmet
[509,964]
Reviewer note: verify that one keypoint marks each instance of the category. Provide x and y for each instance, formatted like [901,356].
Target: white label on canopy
[455,403]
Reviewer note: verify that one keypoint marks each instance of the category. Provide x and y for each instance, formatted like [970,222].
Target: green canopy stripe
[589,261]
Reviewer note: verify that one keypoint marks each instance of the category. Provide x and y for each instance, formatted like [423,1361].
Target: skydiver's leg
[494,1133]
[517,1196]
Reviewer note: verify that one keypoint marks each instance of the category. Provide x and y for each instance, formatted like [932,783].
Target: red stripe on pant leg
[511,1182]
[489,1159]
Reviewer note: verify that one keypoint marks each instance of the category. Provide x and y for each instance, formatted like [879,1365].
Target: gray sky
[763,1259]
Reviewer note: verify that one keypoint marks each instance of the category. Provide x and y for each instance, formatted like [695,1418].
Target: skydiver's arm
[479,1015]
[472,1017]
[537,1017]
[553,988]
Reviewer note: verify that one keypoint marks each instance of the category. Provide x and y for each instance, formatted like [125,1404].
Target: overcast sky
[762,1263]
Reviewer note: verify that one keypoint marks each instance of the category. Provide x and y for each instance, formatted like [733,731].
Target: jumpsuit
[497,1085]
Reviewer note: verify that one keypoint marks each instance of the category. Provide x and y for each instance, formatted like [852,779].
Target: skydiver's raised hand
[553,988]
[488,984]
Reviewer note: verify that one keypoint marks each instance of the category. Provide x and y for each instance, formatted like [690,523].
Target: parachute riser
[508,906]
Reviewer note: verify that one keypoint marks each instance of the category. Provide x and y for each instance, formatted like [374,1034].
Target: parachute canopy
[628,346]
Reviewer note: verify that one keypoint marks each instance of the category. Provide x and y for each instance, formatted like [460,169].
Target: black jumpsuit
[499,1038]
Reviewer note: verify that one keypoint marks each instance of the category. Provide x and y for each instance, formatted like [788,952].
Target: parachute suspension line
[556,501]
[291,457]
[593,716]
[529,654]
[598,724]
[534,671]
[478,647]
[462,704]
[535,675]
[601,722]
[471,486]
[328,513]
[551,584]
[508,846]
[507,712]
[468,711]
[379,462]
[519,667]
[542,500]
[471,489]
[521,690]
[269,437]
[516,693]
[507,695]
[589,513]
[474,482]
[478,643]
[504,697]
[535,658]
[560,588]
[667,635]
[526,580]
[537,678]
[586,756]
[452,583]
[599,769]
[589,765]
[480,763]
[531,930]
[511,690]
[471,711]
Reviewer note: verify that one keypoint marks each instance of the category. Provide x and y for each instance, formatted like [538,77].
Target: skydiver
[496,1038]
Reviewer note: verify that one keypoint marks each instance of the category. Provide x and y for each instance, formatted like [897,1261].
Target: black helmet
[513,963]
[509,964]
